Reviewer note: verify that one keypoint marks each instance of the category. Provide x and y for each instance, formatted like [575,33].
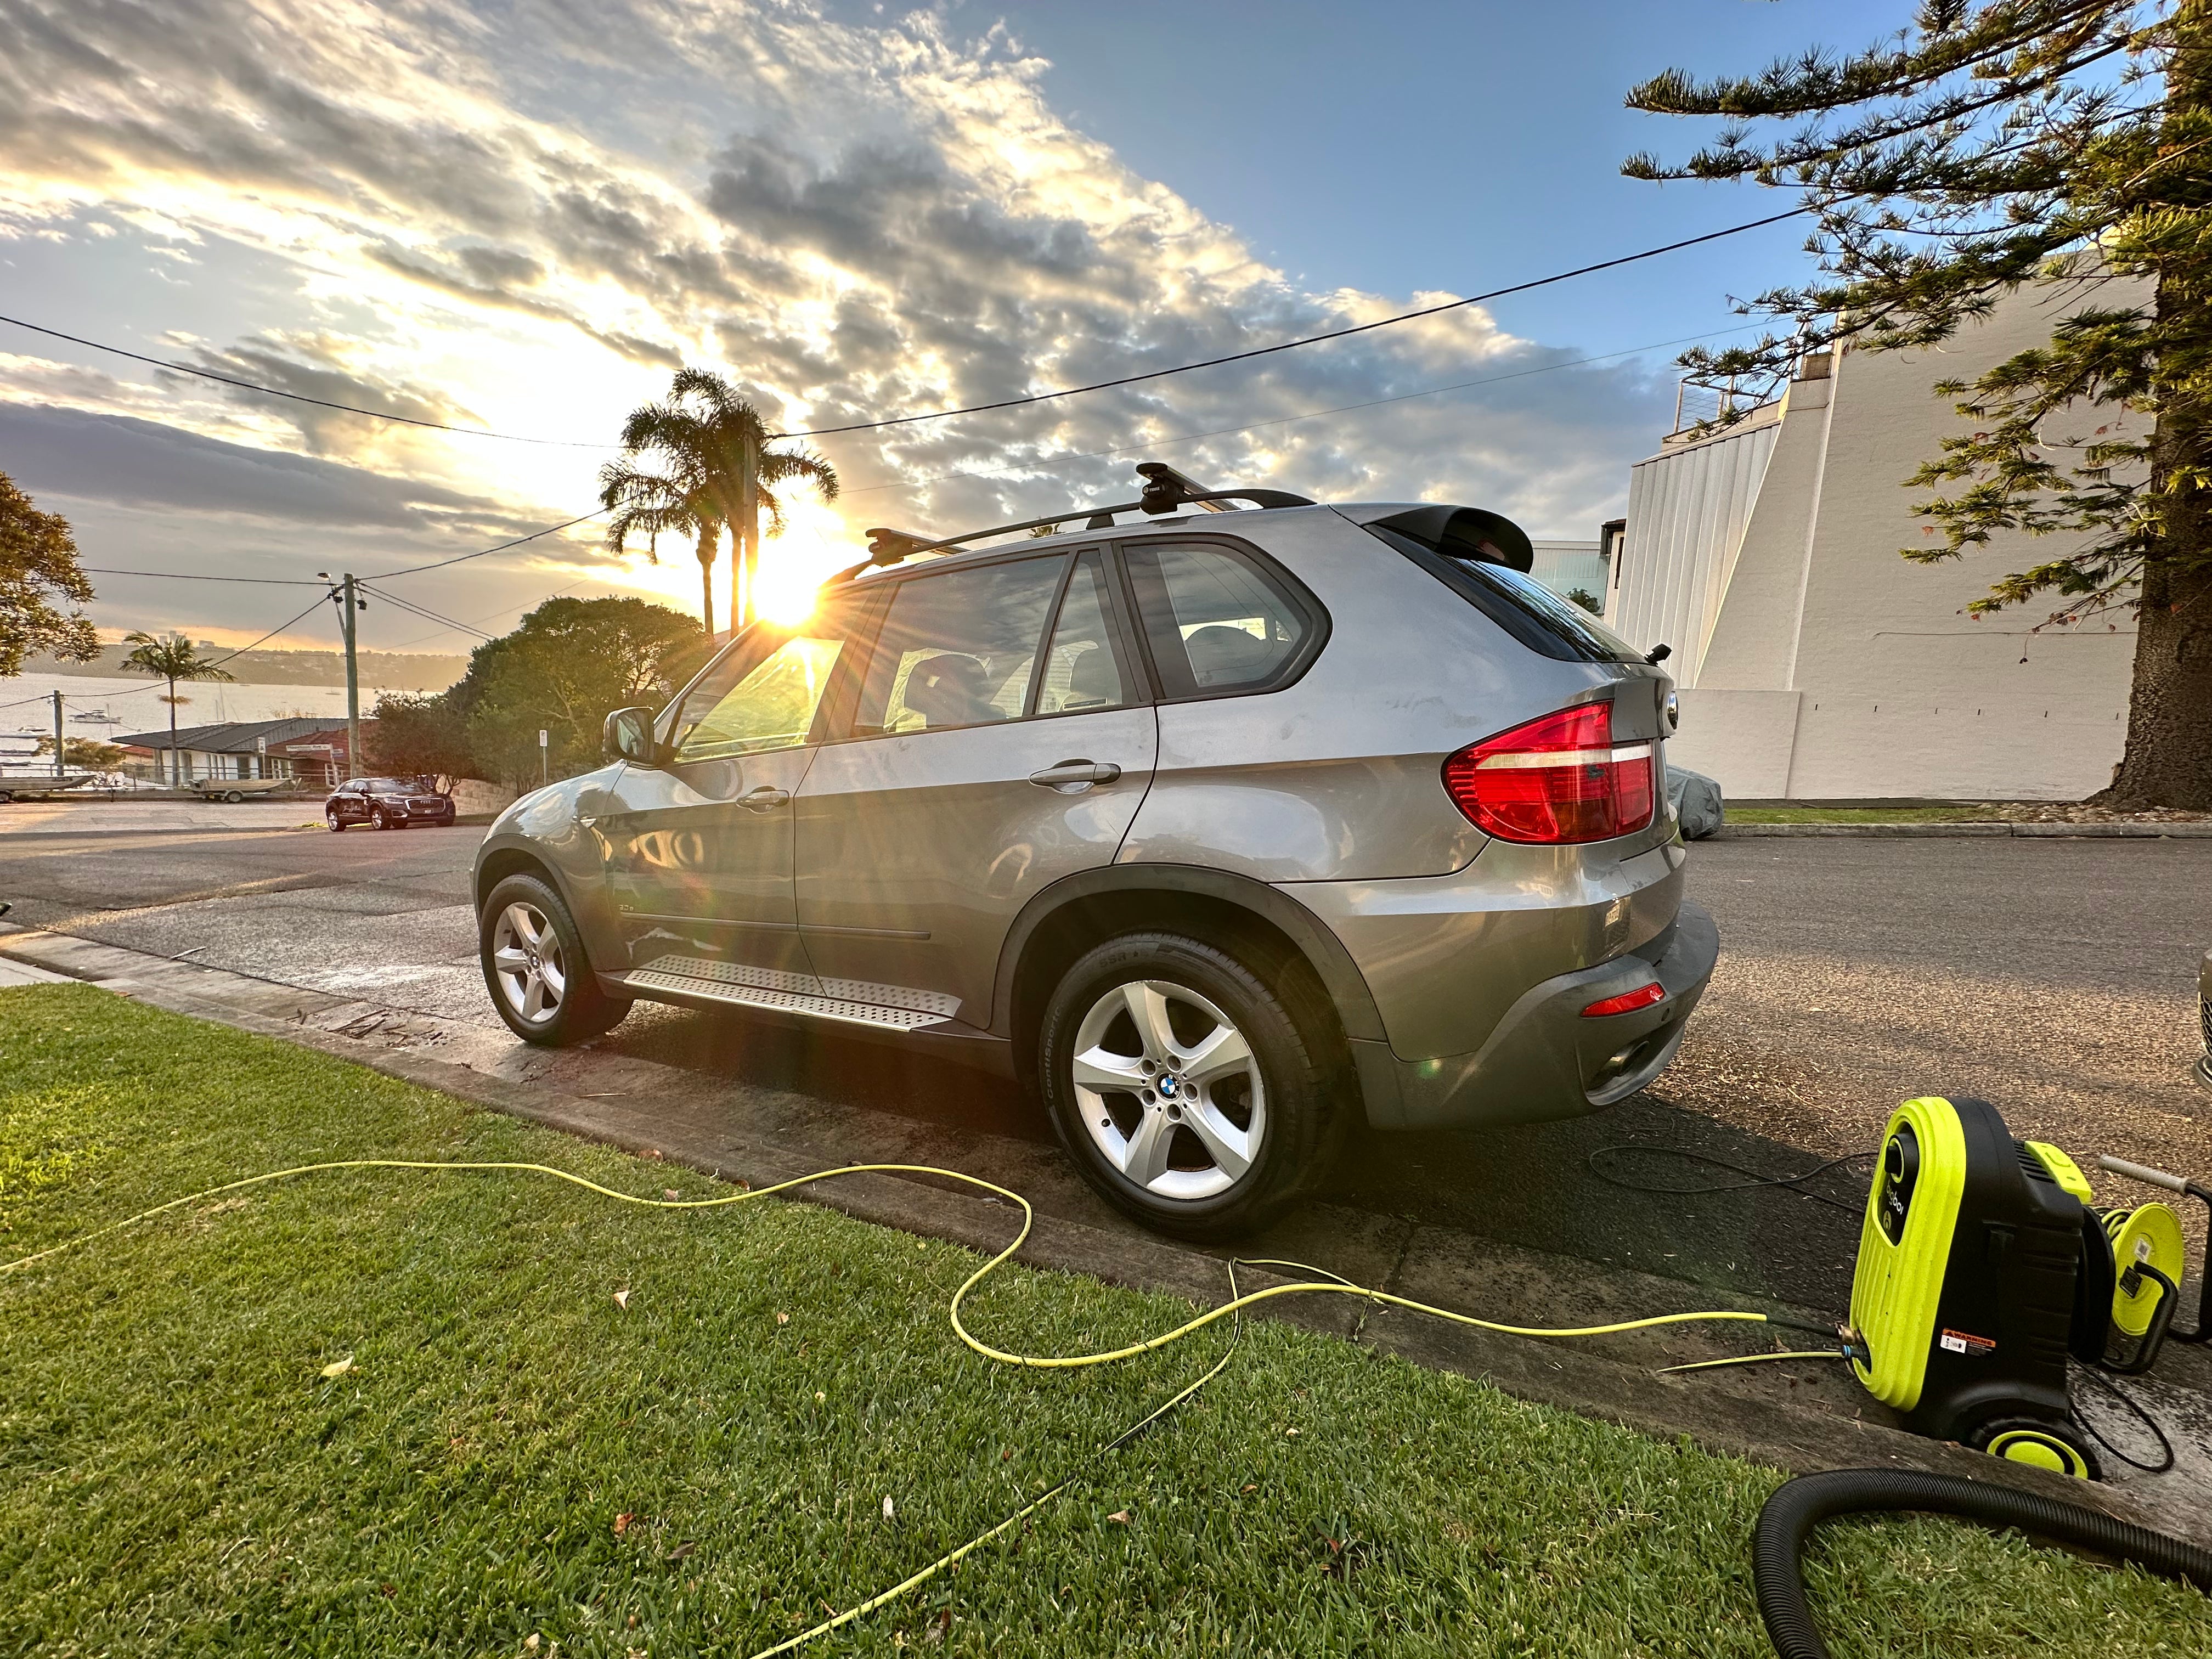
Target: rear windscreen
[1519,604]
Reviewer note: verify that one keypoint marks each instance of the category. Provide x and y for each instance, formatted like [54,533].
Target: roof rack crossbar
[1165,491]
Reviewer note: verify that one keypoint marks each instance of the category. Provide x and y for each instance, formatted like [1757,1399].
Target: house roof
[236,737]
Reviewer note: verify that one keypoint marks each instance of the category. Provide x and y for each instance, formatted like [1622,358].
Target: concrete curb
[661,1111]
[1953,831]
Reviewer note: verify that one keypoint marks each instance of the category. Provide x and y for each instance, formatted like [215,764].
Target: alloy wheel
[527,960]
[1169,1090]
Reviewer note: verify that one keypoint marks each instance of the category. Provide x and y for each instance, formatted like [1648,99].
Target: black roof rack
[1165,491]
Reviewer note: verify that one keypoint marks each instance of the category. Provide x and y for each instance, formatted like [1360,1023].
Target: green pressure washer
[1981,1268]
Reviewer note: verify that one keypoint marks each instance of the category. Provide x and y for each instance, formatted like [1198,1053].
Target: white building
[1817,664]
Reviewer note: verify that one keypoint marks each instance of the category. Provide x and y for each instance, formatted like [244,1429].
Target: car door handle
[1071,774]
[766,798]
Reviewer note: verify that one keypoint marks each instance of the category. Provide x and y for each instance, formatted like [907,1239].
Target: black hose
[1802,1504]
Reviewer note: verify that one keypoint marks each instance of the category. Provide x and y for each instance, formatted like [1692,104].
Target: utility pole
[342,597]
[746,605]
[57,734]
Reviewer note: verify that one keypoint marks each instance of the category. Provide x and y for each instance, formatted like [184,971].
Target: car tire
[522,930]
[378,820]
[1197,1147]
[231,797]
[336,823]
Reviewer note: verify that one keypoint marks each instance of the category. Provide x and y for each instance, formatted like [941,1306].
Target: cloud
[140,462]
[521,216]
[311,364]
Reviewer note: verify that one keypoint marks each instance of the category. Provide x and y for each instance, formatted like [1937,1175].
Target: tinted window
[956,648]
[762,695]
[1519,604]
[1215,621]
[389,785]
[1079,668]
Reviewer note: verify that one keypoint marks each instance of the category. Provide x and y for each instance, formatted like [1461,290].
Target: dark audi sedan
[387,804]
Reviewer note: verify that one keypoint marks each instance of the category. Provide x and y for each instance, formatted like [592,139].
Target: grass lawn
[1864,814]
[514,1464]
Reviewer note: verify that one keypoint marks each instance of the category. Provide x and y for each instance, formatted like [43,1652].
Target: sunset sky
[523,214]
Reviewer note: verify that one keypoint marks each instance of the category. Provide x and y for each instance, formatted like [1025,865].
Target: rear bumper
[1544,1060]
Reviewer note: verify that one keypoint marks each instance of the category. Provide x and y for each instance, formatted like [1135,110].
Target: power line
[298,397]
[212,662]
[463,558]
[503,610]
[942,414]
[218,661]
[1158,443]
[945,477]
[1307,340]
[426,614]
[1308,415]
[195,576]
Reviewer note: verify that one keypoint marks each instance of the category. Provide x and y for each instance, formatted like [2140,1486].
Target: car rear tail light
[1558,779]
[1627,1002]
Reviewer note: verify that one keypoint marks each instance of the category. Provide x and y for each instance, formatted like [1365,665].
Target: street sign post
[544,765]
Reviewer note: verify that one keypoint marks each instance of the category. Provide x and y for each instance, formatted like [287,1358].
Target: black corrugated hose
[1802,1504]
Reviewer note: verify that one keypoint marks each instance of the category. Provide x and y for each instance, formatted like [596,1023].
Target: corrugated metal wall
[1686,513]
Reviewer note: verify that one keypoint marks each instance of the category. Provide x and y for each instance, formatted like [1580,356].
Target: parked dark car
[387,804]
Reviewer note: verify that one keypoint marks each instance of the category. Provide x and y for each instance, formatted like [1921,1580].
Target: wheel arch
[499,863]
[602,941]
[1066,919]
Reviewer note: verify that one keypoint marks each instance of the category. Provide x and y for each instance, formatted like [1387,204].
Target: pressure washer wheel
[2044,1445]
[534,964]
[1186,1089]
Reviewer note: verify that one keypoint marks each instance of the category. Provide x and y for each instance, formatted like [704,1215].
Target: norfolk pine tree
[2065,145]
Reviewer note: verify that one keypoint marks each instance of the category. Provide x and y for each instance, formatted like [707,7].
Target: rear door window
[957,647]
[1217,622]
[1081,668]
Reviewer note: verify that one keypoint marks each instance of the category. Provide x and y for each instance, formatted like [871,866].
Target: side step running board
[846,1008]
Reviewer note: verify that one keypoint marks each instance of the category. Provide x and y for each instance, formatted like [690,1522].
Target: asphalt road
[2054,977]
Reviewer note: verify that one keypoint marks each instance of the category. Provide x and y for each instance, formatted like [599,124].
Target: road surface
[2055,978]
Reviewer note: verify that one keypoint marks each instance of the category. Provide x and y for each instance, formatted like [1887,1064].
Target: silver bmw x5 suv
[1220,827]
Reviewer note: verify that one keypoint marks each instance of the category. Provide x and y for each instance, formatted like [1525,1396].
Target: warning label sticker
[1967,1342]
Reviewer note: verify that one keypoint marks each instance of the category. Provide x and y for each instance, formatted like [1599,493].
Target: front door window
[757,699]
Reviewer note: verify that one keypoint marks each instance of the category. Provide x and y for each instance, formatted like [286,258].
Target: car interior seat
[1093,682]
[950,689]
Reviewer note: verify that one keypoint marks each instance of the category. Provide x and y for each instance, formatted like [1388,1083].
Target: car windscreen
[394,786]
[1518,603]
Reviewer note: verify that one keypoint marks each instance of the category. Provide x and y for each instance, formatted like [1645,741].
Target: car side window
[763,694]
[957,647]
[1080,671]
[1216,622]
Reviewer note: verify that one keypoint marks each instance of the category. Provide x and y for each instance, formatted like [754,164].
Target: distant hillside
[391,669]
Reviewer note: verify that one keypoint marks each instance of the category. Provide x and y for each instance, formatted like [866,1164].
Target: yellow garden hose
[1328,1284]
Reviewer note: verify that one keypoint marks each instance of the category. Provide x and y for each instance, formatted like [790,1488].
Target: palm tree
[707,435]
[173,659]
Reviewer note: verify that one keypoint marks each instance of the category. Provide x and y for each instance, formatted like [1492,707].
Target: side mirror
[628,736]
